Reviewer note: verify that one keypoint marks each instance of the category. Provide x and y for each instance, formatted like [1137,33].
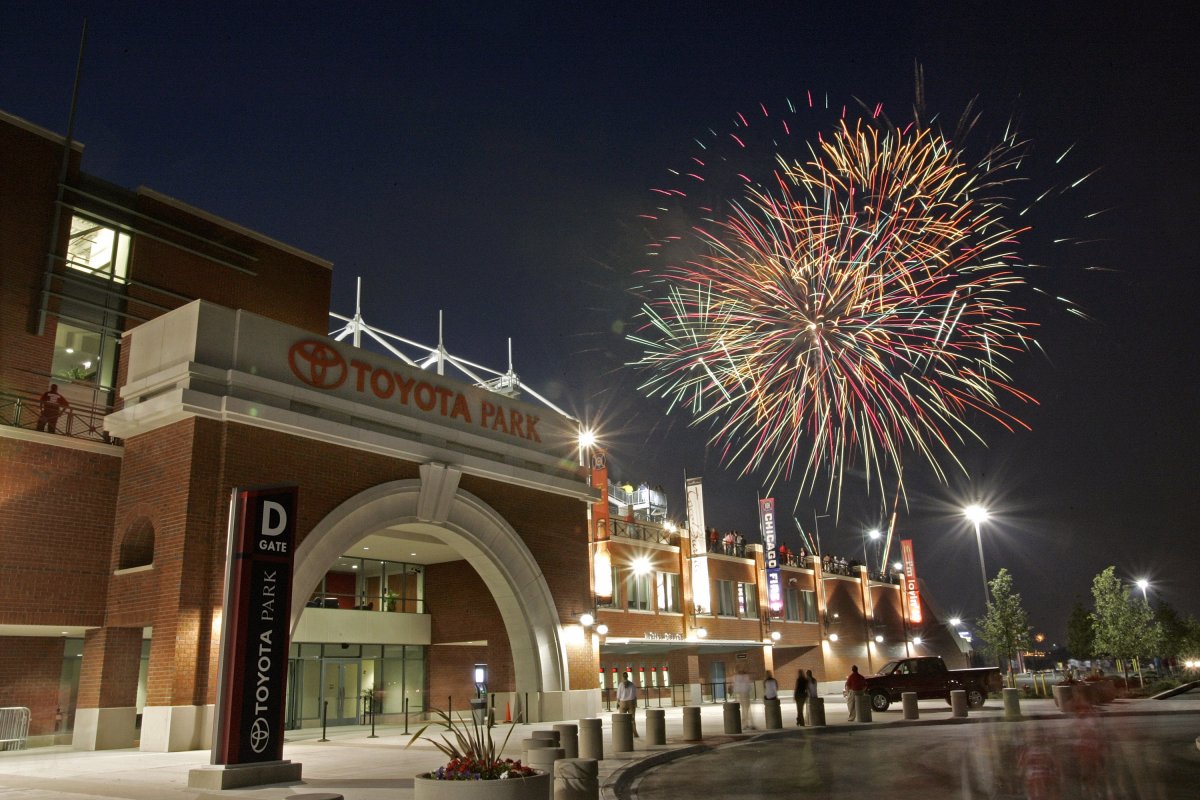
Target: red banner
[910,581]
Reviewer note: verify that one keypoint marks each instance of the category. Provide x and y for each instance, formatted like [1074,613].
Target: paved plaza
[361,768]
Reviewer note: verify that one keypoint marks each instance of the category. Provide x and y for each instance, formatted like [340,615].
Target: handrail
[78,421]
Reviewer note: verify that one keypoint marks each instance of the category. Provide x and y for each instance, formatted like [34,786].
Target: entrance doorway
[716,671]
[341,689]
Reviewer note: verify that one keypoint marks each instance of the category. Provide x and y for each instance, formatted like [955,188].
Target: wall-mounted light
[879,638]
[587,620]
[701,633]
[641,565]
[775,636]
[833,637]
[916,640]
[602,629]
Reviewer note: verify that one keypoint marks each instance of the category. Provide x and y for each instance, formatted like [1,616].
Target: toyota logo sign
[260,735]
[317,364]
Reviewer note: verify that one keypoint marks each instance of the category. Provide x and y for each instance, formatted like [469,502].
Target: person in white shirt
[627,698]
[741,689]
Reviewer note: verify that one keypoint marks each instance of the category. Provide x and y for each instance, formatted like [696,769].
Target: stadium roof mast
[504,383]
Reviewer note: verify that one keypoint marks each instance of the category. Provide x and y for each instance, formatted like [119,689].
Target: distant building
[449,541]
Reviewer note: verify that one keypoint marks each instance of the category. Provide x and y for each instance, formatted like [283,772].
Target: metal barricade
[14,727]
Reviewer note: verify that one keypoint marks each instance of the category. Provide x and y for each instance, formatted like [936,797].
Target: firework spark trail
[855,307]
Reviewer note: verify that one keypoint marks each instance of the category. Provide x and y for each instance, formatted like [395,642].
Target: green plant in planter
[473,754]
[389,600]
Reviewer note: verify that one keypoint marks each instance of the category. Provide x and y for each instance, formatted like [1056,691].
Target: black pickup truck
[928,677]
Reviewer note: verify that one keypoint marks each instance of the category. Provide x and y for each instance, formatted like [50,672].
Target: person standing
[627,699]
[856,684]
[52,405]
[741,690]
[811,689]
[800,695]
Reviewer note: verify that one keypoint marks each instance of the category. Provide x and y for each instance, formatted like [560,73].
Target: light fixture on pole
[874,535]
[978,515]
[1144,584]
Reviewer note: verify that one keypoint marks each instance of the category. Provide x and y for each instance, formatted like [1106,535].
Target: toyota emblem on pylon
[317,364]
[260,735]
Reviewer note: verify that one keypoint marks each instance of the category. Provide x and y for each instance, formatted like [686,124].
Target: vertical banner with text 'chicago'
[766,523]
[254,634]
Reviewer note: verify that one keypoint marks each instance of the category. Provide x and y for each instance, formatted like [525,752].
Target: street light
[978,514]
[1144,584]
[873,535]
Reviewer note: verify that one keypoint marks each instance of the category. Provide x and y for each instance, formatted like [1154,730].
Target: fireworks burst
[851,308]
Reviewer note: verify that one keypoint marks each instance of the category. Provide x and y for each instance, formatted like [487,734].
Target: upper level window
[97,249]
[668,592]
[747,600]
[726,599]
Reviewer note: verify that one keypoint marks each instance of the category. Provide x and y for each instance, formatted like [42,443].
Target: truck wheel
[976,697]
[880,701]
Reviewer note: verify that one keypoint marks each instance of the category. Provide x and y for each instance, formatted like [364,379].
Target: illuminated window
[97,249]
[668,592]
[83,355]
[640,596]
[747,600]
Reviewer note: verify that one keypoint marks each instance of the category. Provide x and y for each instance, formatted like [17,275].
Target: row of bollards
[572,752]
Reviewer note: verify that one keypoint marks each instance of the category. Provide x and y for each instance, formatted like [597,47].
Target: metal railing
[79,420]
[14,727]
[359,602]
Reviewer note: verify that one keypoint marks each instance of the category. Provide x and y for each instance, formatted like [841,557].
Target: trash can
[479,711]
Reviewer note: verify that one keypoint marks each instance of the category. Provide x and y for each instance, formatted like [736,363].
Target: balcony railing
[360,602]
[78,421]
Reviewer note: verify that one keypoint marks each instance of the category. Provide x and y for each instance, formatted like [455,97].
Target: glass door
[341,690]
[717,675]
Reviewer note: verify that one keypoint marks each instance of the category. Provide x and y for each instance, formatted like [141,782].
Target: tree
[1081,638]
[1006,624]
[1125,629]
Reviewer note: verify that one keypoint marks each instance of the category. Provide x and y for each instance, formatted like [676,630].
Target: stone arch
[480,534]
[137,545]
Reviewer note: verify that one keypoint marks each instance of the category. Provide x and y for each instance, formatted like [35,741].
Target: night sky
[492,164]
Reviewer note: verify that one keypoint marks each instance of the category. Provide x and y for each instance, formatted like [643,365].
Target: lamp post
[873,535]
[978,514]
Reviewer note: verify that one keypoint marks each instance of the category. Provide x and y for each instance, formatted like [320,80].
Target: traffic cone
[507,712]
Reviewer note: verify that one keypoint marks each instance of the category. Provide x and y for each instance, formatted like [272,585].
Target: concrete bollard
[622,733]
[691,724]
[774,713]
[591,738]
[909,701]
[816,712]
[1012,702]
[576,779]
[568,739]
[656,726]
[958,703]
[549,736]
[531,744]
[543,758]
[862,708]
[733,717]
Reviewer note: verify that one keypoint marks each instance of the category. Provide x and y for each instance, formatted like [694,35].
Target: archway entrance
[434,524]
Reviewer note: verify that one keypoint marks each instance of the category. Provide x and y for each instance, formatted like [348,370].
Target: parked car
[929,677]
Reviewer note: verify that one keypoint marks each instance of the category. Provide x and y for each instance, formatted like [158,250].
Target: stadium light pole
[978,515]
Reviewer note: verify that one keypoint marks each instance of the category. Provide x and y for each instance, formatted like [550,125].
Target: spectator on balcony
[713,540]
[52,405]
[739,544]
[728,540]
[785,557]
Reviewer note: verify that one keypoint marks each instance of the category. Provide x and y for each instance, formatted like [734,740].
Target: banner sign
[910,581]
[766,523]
[254,633]
[701,593]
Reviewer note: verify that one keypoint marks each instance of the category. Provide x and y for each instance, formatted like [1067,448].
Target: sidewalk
[361,768]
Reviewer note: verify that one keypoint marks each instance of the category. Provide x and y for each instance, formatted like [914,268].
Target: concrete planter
[535,787]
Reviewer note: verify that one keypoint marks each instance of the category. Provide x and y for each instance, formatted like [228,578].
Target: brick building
[445,528]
